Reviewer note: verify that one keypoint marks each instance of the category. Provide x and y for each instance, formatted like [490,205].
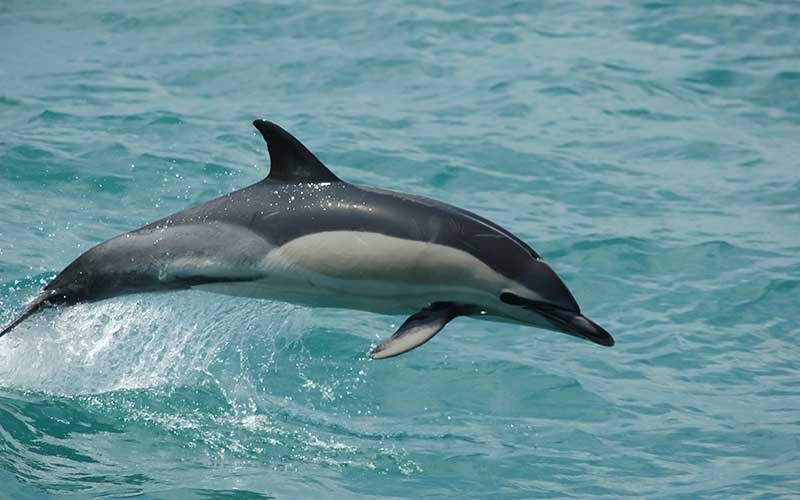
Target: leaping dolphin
[303,235]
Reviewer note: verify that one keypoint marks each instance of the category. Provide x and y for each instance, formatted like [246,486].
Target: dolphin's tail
[34,306]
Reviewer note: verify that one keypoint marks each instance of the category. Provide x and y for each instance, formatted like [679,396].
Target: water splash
[145,341]
[204,370]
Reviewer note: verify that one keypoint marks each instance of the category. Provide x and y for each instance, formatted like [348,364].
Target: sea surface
[650,151]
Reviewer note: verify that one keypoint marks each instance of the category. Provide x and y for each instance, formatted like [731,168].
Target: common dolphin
[303,235]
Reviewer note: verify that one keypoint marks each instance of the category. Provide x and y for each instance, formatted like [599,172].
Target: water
[648,150]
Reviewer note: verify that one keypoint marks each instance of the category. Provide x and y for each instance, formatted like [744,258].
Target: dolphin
[304,236]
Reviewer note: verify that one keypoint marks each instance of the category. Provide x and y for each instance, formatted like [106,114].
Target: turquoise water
[649,151]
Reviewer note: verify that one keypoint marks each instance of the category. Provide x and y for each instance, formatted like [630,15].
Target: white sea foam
[140,341]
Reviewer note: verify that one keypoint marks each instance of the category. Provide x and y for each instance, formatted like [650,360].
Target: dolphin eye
[512,299]
[515,300]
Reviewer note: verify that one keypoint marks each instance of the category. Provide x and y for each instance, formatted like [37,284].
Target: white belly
[368,271]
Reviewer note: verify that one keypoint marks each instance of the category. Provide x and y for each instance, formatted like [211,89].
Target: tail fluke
[34,306]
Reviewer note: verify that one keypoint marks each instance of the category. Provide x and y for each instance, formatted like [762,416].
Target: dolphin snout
[575,323]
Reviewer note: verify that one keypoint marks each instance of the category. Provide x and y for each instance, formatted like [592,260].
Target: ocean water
[650,151]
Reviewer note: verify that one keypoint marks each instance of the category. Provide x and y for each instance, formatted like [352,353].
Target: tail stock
[34,306]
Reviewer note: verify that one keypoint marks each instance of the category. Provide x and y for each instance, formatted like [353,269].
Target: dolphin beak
[569,321]
[575,323]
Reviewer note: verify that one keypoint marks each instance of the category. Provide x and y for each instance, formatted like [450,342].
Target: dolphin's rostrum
[302,235]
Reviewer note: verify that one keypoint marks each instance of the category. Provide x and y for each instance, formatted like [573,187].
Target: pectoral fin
[417,329]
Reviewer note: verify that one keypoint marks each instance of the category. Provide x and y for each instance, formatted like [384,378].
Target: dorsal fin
[290,160]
